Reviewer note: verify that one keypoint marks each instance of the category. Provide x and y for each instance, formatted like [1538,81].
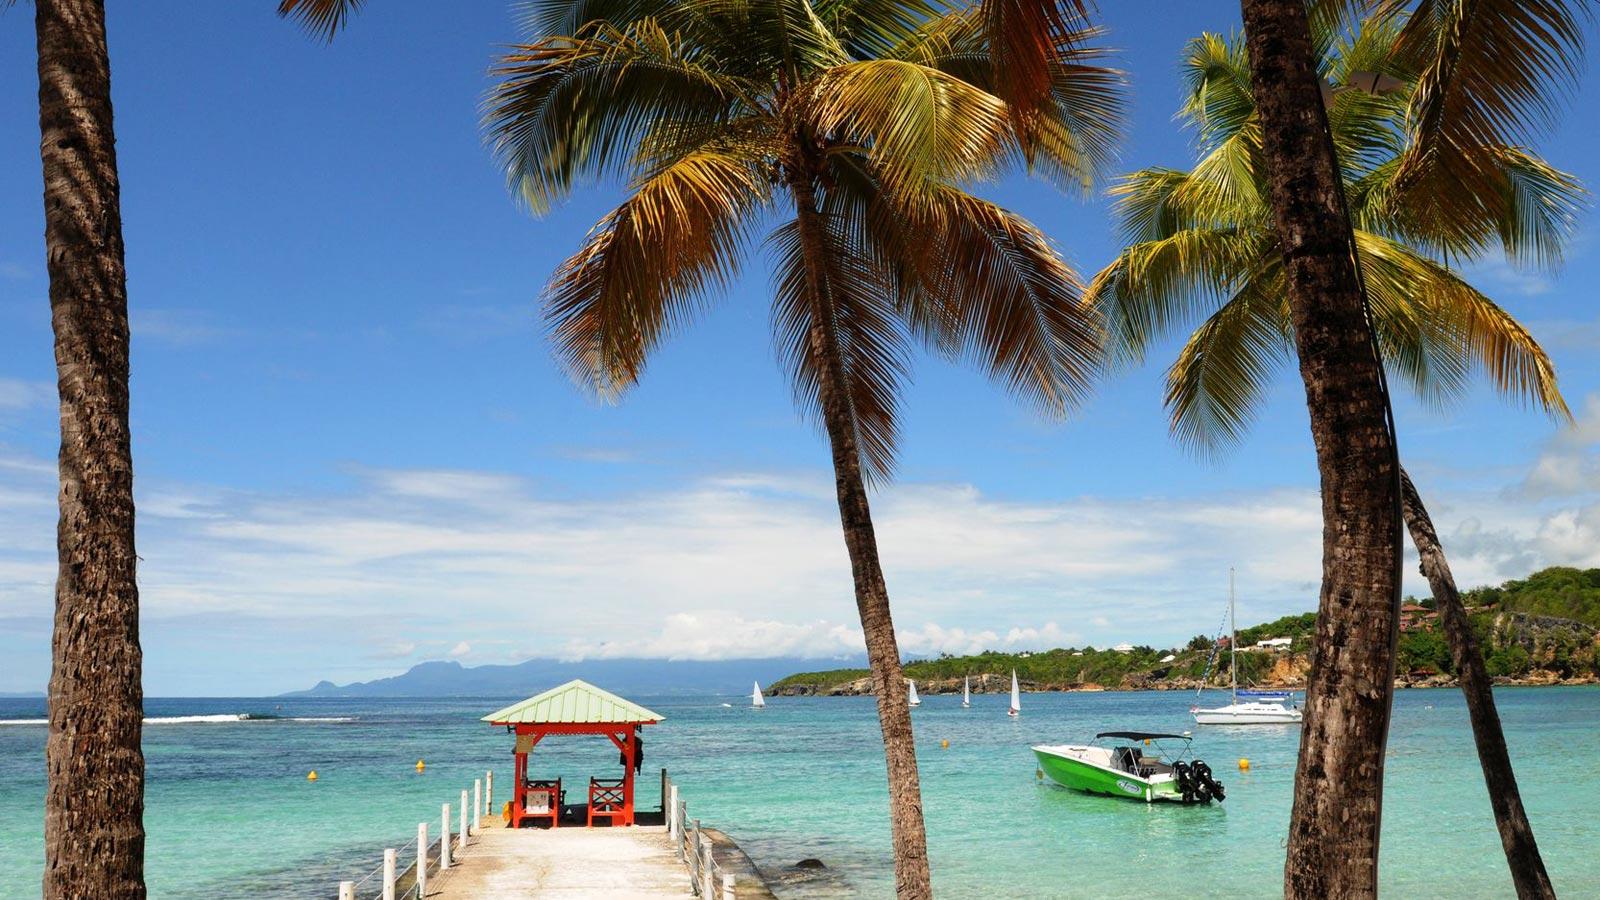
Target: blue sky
[354,451]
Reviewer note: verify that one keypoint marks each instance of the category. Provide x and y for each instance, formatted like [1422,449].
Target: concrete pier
[565,863]
[573,862]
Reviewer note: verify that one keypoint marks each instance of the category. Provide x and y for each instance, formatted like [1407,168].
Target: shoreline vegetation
[1542,630]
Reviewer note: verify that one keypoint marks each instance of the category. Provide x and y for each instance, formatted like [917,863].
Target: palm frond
[1026,38]
[1216,72]
[869,29]
[1216,385]
[651,264]
[571,107]
[1077,140]
[869,337]
[1539,206]
[1455,328]
[1492,72]
[322,18]
[919,126]
[1159,285]
[1009,302]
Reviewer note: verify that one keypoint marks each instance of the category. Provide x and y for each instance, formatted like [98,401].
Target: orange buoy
[312,775]
[1244,765]
[421,765]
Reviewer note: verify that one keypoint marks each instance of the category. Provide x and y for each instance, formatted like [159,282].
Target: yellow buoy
[421,765]
[312,776]
[945,744]
[1244,765]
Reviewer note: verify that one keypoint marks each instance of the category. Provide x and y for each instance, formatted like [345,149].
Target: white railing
[707,878]
[427,859]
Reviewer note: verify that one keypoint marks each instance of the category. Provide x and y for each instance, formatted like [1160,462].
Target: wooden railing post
[422,860]
[477,805]
[728,892]
[674,825]
[691,849]
[388,873]
[463,819]
[488,793]
[444,838]
[347,890]
[708,884]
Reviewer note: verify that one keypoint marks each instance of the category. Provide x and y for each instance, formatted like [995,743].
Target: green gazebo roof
[576,702]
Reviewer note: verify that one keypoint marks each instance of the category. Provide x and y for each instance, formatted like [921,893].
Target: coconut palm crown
[725,118]
[1201,245]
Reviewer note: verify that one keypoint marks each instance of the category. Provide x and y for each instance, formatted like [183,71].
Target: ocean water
[231,814]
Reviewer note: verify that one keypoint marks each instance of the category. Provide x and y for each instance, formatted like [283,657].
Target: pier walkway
[564,863]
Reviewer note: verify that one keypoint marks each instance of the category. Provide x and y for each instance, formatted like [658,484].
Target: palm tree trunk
[94,803]
[1516,835]
[1333,830]
[913,880]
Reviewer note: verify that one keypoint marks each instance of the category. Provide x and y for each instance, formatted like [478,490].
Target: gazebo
[576,707]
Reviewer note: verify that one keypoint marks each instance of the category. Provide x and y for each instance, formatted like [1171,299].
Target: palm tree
[94,798]
[842,134]
[1490,69]
[1338,797]
[1201,243]
[94,801]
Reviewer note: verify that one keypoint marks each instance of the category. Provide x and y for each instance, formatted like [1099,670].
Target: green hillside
[1513,646]
[1559,591]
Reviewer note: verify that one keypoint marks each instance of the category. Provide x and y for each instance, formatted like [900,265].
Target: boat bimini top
[1142,735]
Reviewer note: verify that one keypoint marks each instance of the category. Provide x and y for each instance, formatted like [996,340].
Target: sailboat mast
[1233,641]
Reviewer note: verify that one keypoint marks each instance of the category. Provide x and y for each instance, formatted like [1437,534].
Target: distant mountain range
[636,676]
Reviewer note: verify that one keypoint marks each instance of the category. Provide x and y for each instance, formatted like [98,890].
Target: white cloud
[17,395]
[747,563]
[175,327]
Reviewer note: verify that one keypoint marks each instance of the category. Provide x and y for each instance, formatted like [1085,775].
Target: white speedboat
[1258,707]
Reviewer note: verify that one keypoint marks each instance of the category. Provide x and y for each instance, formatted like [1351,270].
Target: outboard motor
[1206,787]
[1185,779]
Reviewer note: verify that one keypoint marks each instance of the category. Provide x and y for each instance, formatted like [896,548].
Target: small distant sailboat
[1016,697]
[756,700]
[911,696]
[966,692]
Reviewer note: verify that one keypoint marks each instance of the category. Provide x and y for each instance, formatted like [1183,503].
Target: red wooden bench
[542,800]
[606,800]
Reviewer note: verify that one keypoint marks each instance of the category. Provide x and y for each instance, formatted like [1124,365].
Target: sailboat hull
[1249,714]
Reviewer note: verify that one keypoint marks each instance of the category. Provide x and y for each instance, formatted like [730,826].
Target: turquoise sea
[230,813]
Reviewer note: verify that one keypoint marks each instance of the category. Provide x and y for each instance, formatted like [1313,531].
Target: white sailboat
[756,700]
[1016,697]
[911,696]
[1260,707]
[966,692]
